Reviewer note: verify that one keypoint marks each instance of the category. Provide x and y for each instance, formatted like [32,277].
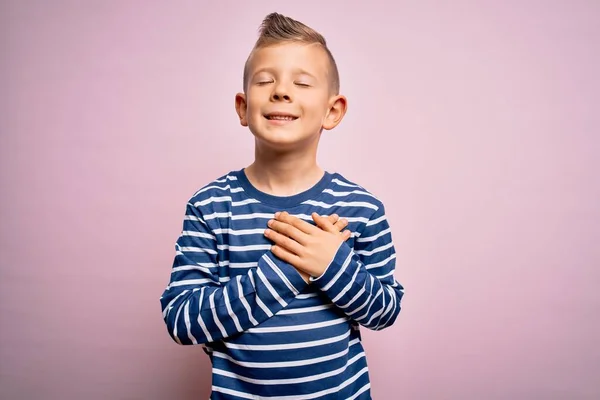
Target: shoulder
[223,185]
[372,219]
[348,190]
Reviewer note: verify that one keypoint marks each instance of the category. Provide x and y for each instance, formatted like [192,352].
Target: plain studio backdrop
[476,123]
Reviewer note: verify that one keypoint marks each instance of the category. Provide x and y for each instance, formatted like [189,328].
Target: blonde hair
[277,29]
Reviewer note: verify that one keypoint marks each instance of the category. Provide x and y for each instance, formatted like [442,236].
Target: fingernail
[270,222]
[277,214]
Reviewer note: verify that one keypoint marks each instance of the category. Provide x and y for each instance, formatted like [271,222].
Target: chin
[283,137]
[276,143]
[279,142]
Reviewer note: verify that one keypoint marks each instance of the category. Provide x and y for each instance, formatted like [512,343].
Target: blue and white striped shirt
[269,334]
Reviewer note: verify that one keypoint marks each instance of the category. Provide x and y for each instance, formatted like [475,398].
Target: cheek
[254,109]
[316,108]
[255,99]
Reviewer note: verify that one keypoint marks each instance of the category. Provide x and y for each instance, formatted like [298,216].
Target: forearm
[198,310]
[372,301]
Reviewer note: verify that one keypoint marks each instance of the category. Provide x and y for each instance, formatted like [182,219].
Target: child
[274,290]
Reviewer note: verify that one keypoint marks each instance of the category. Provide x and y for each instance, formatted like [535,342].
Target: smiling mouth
[280,117]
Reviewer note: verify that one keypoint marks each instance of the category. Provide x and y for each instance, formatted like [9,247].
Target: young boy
[274,290]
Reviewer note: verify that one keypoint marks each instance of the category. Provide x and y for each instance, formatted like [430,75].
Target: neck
[283,173]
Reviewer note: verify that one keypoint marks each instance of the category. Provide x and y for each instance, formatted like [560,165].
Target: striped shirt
[268,333]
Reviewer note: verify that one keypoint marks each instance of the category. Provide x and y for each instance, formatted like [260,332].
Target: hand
[307,247]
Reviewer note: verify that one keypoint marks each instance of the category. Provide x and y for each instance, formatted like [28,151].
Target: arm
[361,281]
[197,308]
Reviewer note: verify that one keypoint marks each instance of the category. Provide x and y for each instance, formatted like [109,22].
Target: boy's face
[288,100]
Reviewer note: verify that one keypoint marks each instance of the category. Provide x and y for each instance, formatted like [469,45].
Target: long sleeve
[361,281]
[198,308]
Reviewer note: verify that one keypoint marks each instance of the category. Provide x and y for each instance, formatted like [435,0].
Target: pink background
[475,122]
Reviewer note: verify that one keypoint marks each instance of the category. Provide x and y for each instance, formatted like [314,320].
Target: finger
[285,255]
[296,222]
[340,224]
[288,230]
[324,223]
[284,241]
[333,218]
[346,235]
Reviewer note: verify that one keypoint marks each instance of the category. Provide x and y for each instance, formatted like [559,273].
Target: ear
[241,107]
[337,109]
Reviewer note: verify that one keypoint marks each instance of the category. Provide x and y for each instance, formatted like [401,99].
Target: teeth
[281,117]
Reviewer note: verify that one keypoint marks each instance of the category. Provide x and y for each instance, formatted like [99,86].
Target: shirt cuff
[334,266]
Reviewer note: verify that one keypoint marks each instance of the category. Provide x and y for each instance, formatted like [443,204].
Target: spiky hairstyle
[276,29]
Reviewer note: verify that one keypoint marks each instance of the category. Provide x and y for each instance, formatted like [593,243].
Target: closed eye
[261,83]
[302,84]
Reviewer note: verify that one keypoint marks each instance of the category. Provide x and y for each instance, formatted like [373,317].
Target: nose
[280,93]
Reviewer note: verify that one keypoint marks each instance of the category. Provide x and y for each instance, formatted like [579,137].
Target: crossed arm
[361,282]
[308,248]
[199,308]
